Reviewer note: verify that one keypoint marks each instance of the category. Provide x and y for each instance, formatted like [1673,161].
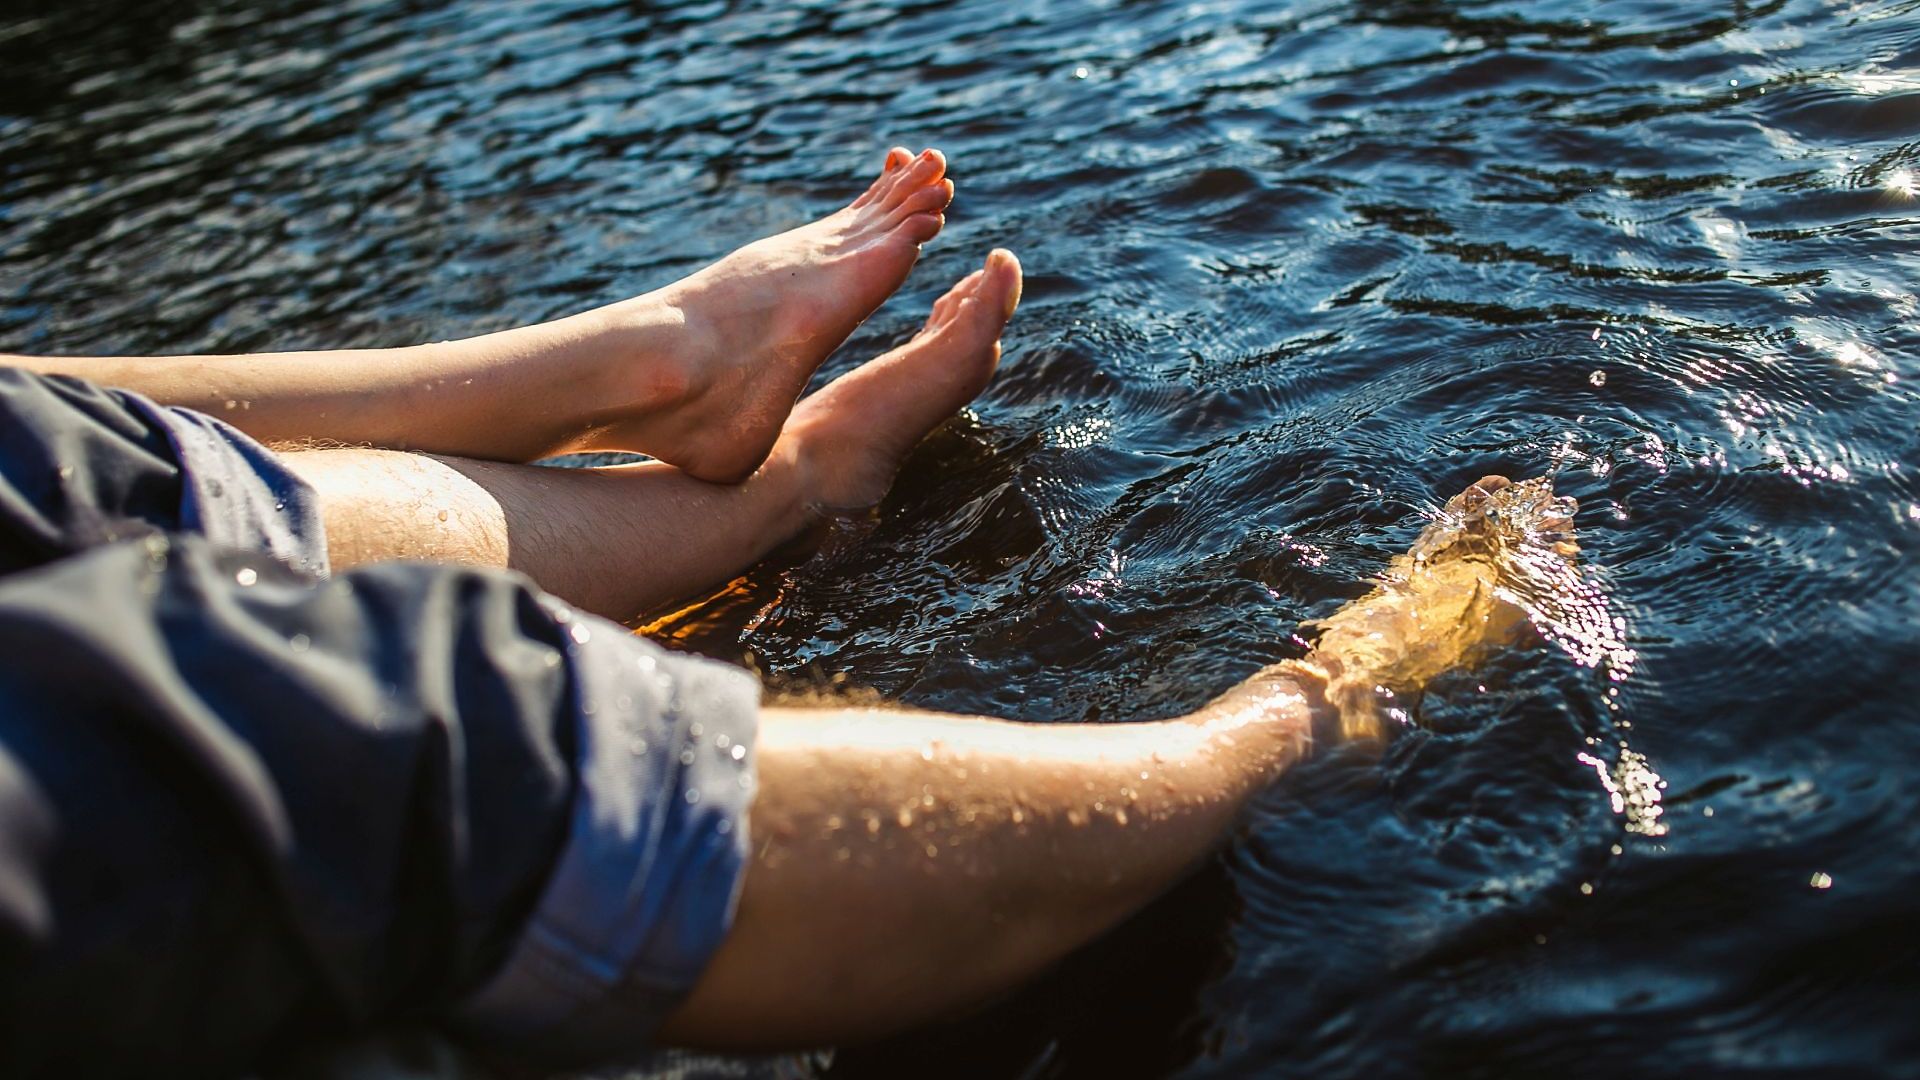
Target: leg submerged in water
[1464,587]
[919,862]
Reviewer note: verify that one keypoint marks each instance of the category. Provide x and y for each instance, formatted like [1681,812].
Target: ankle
[789,476]
[635,359]
[795,462]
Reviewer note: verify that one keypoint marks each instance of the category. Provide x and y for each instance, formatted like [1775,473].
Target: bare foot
[1495,514]
[1497,558]
[851,436]
[713,363]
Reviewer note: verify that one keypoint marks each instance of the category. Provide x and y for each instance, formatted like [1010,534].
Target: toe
[984,300]
[944,308]
[920,228]
[1002,280]
[1478,493]
[933,199]
[891,170]
[926,170]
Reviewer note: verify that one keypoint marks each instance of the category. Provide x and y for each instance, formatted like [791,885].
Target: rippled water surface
[1298,271]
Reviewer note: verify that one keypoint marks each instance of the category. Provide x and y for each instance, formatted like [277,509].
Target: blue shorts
[246,805]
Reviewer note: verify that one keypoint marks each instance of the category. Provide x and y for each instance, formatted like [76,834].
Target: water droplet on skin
[695,730]
[873,825]
[1143,774]
[581,634]
[693,796]
[905,817]
[1018,816]
[933,851]
[834,822]
[739,751]
[722,741]
[1076,817]
[686,757]
[926,801]
[443,515]
[637,747]
[246,576]
[232,404]
[1119,817]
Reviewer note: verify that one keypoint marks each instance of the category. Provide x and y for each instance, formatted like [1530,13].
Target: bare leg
[908,864]
[620,540]
[700,374]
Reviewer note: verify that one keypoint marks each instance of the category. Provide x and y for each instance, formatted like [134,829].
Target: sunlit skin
[699,374]
[621,540]
[905,864]
[910,863]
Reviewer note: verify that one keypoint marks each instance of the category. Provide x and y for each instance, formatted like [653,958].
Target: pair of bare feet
[728,350]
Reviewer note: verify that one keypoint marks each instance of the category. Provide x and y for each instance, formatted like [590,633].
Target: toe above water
[1004,279]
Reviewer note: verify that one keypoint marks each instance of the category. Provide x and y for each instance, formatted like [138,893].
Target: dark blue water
[1298,272]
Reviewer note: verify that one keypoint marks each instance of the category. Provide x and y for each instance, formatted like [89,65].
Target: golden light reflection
[734,610]
[1491,562]
[1494,561]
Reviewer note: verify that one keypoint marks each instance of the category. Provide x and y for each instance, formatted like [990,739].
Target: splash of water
[1497,559]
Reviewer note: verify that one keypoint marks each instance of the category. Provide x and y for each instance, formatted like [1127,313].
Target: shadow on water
[1298,270]
[1127,1007]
